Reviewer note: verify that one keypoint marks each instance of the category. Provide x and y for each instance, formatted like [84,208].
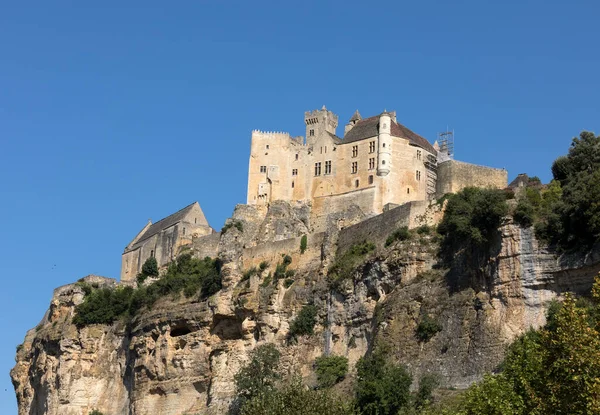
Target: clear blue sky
[122,111]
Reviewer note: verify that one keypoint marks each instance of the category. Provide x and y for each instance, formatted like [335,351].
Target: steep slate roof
[356,116]
[369,127]
[164,223]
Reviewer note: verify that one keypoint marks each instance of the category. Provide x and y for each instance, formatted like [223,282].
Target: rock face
[180,357]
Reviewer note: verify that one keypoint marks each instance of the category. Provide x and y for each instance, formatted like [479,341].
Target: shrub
[382,388]
[186,274]
[150,267]
[345,264]
[400,234]
[268,279]
[260,374]
[472,217]
[424,394]
[330,370]
[96,412]
[249,273]
[424,229]
[524,213]
[263,266]
[281,270]
[304,323]
[427,328]
[288,282]
[297,399]
[303,243]
[232,224]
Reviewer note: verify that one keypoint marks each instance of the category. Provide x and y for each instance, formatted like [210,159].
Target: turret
[319,122]
[355,118]
[384,143]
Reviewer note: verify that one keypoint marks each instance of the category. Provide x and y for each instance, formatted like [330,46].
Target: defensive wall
[322,206]
[378,228]
[206,246]
[452,176]
[273,252]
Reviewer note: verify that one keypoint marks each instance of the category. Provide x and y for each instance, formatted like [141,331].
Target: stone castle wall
[452,176]
[325,205]
[378,228]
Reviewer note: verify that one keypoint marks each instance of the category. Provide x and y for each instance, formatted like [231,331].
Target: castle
[378,164]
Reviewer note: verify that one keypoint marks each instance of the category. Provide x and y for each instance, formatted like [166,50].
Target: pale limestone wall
[456,175]
[323,206]
[273,252]
[206,246]
[378,228]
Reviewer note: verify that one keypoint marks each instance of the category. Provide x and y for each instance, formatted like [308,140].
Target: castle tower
[355,118]
[319,122]
[384,144]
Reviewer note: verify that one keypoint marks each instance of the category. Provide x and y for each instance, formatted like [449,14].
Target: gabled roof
[166,223]
[369,127]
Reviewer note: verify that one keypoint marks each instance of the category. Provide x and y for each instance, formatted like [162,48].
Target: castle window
[372,163]
[294,172]
[296,156]
[328,167]
[263,169]
[382,161]
[418,175]
[318,169]
[354,151]
[383,145]
[267,146]
[356,183]
[311,133]
[325,149]
[152,253]
[371,179]
[408,190]
[418,154]
[372,147]
[354,166]
[292,184]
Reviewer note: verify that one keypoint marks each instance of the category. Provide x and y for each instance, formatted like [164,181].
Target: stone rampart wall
[324,205]
[452,176]
[378,228]
[206,246]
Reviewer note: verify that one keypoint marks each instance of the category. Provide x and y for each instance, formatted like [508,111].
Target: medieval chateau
[378,165]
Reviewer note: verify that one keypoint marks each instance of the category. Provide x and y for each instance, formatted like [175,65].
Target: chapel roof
[369,127]
[165,223]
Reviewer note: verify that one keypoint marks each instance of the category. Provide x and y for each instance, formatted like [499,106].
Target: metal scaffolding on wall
[446,143]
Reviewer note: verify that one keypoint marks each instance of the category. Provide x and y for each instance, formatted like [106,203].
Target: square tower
[319,122]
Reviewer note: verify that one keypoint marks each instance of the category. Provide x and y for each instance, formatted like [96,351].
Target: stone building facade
[377,164]
[162,239]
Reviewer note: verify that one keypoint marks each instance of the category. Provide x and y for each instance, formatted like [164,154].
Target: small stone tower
[319,122]
[384,143]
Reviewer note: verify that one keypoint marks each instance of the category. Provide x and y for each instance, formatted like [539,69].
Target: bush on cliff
[186,274]
[304,323]
[471,219]
[345,264]
[330,370]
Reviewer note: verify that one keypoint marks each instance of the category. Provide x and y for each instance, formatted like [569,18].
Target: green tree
[330,370]
[259,376]
[150,267]
[304,323]
[382,388]
[303,244]
[296,399]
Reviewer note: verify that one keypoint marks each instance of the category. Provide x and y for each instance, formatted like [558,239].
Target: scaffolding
[446,143]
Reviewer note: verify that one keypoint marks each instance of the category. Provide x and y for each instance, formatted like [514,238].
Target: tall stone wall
[452,176]
[325,205]
[273,252]
[378,228]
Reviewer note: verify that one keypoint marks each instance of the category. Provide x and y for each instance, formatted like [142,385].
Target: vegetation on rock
[427,328]
[400,234]
[304,323]
[303,244]
[330,370]
[232,224]
[345,264]
[186,274]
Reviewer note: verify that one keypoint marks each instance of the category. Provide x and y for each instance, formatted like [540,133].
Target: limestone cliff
[180,356]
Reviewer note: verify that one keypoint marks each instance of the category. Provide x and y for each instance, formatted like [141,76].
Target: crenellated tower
[319,122]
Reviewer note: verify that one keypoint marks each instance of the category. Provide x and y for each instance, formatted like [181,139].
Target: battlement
[271,134]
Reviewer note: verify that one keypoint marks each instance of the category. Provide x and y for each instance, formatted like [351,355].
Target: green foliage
[260,374]
[303,243]
[424,230]
[296,399]
[427,328]
[150,267]
[572,219]
[330,370]
[185,274]
[524,213]
[249,273]
[232,224]
[400,234]
[288,282]
[424,394]
[267,281]
[382,388]
[281,270]
[96,412]
[472,217]
[345,264]
[555,370]
[263,266]
[304,323]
